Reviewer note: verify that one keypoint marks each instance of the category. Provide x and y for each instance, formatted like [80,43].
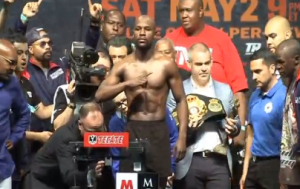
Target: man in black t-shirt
[53,166]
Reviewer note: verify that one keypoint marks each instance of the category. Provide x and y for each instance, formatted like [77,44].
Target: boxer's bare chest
[156,71]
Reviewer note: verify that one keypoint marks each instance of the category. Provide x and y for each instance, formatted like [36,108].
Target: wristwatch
[72,106]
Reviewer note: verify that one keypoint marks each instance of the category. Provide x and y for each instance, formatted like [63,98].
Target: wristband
[72,106]
[23,18]
[243,128]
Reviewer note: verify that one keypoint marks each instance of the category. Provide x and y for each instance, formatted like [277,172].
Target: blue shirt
[12,99]
[265,116]
[117,124]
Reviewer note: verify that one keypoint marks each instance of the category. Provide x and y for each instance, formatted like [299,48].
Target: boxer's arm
[237,81]
[111,86]
[176,86]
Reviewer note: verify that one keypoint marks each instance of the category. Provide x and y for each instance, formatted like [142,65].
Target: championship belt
[201,108]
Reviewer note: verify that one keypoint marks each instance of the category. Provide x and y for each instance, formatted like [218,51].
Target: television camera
[81,60]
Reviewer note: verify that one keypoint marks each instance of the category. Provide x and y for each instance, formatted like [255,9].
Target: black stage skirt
[158,154]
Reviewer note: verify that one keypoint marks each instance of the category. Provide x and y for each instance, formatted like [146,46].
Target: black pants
[157,154]
[209,172]
[16,184]
[237,171]
[263,173]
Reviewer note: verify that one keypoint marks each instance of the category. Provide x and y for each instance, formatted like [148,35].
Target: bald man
[9,57]
[277,30]
[165,47]
[56,155]
[288,65]
[146,79]
[14,113]
[203,167]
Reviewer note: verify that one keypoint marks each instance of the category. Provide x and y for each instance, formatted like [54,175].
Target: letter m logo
[126,184]
[127,181]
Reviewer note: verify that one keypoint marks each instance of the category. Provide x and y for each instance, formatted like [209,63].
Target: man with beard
[225,54]
[35,105]
[146,79]
[288,64]
[12,100]
[44,75]
[277,30]
[262,157]
[101,31]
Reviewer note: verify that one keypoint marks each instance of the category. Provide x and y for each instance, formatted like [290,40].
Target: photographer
[64,101]
[53,166]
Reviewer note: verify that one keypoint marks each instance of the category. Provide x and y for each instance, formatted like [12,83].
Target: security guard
[262,158]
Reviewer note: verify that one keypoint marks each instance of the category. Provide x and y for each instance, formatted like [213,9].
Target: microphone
[75,185]
[90,178]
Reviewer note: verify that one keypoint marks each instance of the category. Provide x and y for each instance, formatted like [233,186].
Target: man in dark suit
[53,166]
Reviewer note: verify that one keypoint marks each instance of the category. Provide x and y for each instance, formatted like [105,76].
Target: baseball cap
[34,34]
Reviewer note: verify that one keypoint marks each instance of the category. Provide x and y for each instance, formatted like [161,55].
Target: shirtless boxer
[146,80]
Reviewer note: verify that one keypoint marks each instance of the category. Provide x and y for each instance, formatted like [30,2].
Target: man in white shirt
[203,167]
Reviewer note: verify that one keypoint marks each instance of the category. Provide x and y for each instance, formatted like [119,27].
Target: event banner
[242,20]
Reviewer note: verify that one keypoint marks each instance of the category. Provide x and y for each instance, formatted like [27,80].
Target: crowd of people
[203,131]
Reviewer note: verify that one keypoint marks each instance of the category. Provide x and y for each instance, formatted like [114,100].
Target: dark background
[62,19]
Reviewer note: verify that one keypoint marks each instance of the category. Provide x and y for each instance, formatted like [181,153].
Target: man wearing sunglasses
[23,152]
[56,156]
[44,75]
[12,100]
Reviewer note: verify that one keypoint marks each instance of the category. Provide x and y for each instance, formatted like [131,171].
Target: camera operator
[53,166]
[119,47]
[64,101]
